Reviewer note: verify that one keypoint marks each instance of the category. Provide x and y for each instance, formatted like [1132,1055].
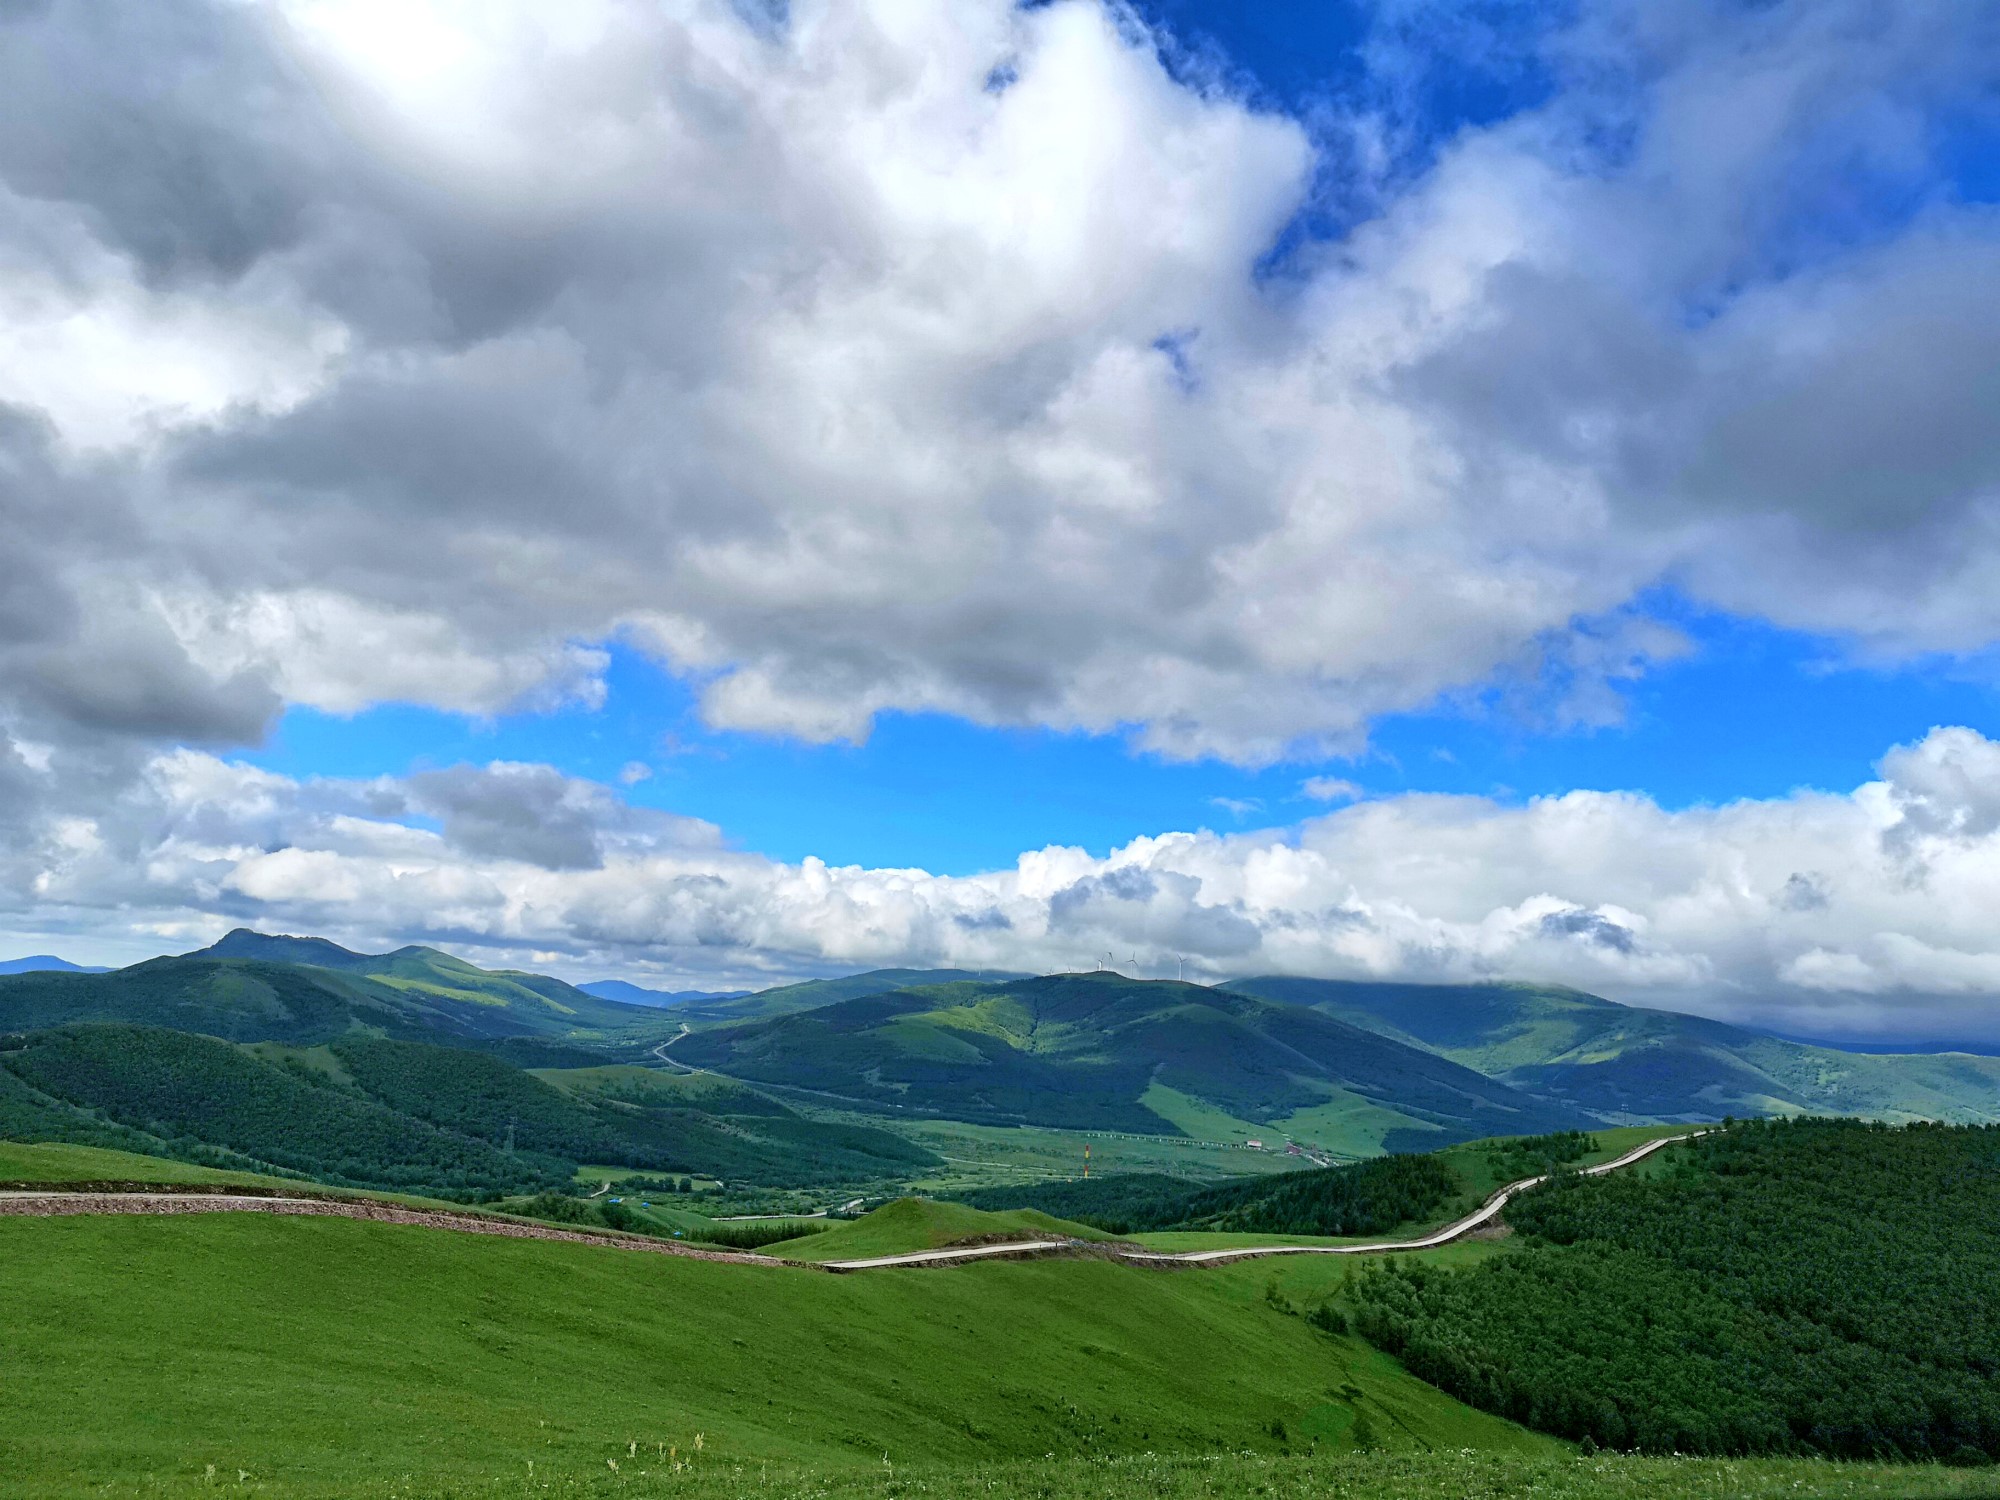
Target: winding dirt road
[116,1199]
[1484,1215]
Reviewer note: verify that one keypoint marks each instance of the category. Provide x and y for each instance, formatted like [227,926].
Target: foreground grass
[685,1473]
[335,1356]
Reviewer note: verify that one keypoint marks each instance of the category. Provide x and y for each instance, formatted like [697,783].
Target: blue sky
[1751,711]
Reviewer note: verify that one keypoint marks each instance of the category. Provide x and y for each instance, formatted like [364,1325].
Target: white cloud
[1868,911]
[1331,789]
[916,356]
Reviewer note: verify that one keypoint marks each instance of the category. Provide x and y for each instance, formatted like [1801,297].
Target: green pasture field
[56,1164]
[989,1155]
[337,1357]
[53,1162]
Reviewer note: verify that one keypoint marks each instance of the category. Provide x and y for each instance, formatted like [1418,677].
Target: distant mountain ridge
[1100,1051]
[633,994]
[48,963]
[1632,1065]
[1352,1067]
[256,987]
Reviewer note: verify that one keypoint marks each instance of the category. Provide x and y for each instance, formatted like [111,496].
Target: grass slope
[1629,1063]
[328,1356]
[788,999]
[251,1000]
[55,1163]
[528,1002]
[1082,1051]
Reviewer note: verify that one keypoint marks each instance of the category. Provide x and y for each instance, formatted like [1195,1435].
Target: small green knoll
[54,1163]
[329,1357]
[924,1224]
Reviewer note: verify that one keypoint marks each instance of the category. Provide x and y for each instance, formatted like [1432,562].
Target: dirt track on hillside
[52,1203]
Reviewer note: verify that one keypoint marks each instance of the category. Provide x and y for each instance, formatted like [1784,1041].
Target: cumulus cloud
[957,357]
[931,357]
[1861,913]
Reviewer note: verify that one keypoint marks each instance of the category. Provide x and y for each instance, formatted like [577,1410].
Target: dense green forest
[1536,1155]
[1121,1203]
[1814,1286]
[178,1086]
[479,1095]
[1367,1197]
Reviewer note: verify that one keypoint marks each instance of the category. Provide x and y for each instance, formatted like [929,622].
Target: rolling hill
[254,988]
[1099,1051]
[1631,1064]
[810,994]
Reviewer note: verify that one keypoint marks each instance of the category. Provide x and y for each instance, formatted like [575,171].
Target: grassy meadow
[326,1356]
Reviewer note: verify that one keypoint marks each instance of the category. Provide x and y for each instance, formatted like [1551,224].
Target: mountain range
[1104,1052]
[253,987]
[1340,1067]
[1631,1065]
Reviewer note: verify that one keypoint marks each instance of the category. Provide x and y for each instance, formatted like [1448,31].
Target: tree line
[1813,1286]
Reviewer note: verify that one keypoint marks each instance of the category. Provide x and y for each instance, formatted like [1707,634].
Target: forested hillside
[180,1087]
[1817,1286]
[369,1112]
[1630,1064]
[1085,1051]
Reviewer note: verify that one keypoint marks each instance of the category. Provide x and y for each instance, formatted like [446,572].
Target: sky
[709,494]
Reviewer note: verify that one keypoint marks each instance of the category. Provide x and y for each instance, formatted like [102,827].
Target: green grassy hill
[328,1357]
[788,999]
[250,999]
[513,1002]
[1628,1063]
[1096,1051]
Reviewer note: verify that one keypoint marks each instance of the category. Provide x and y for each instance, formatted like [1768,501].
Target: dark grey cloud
[1592,927]
[530,813]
